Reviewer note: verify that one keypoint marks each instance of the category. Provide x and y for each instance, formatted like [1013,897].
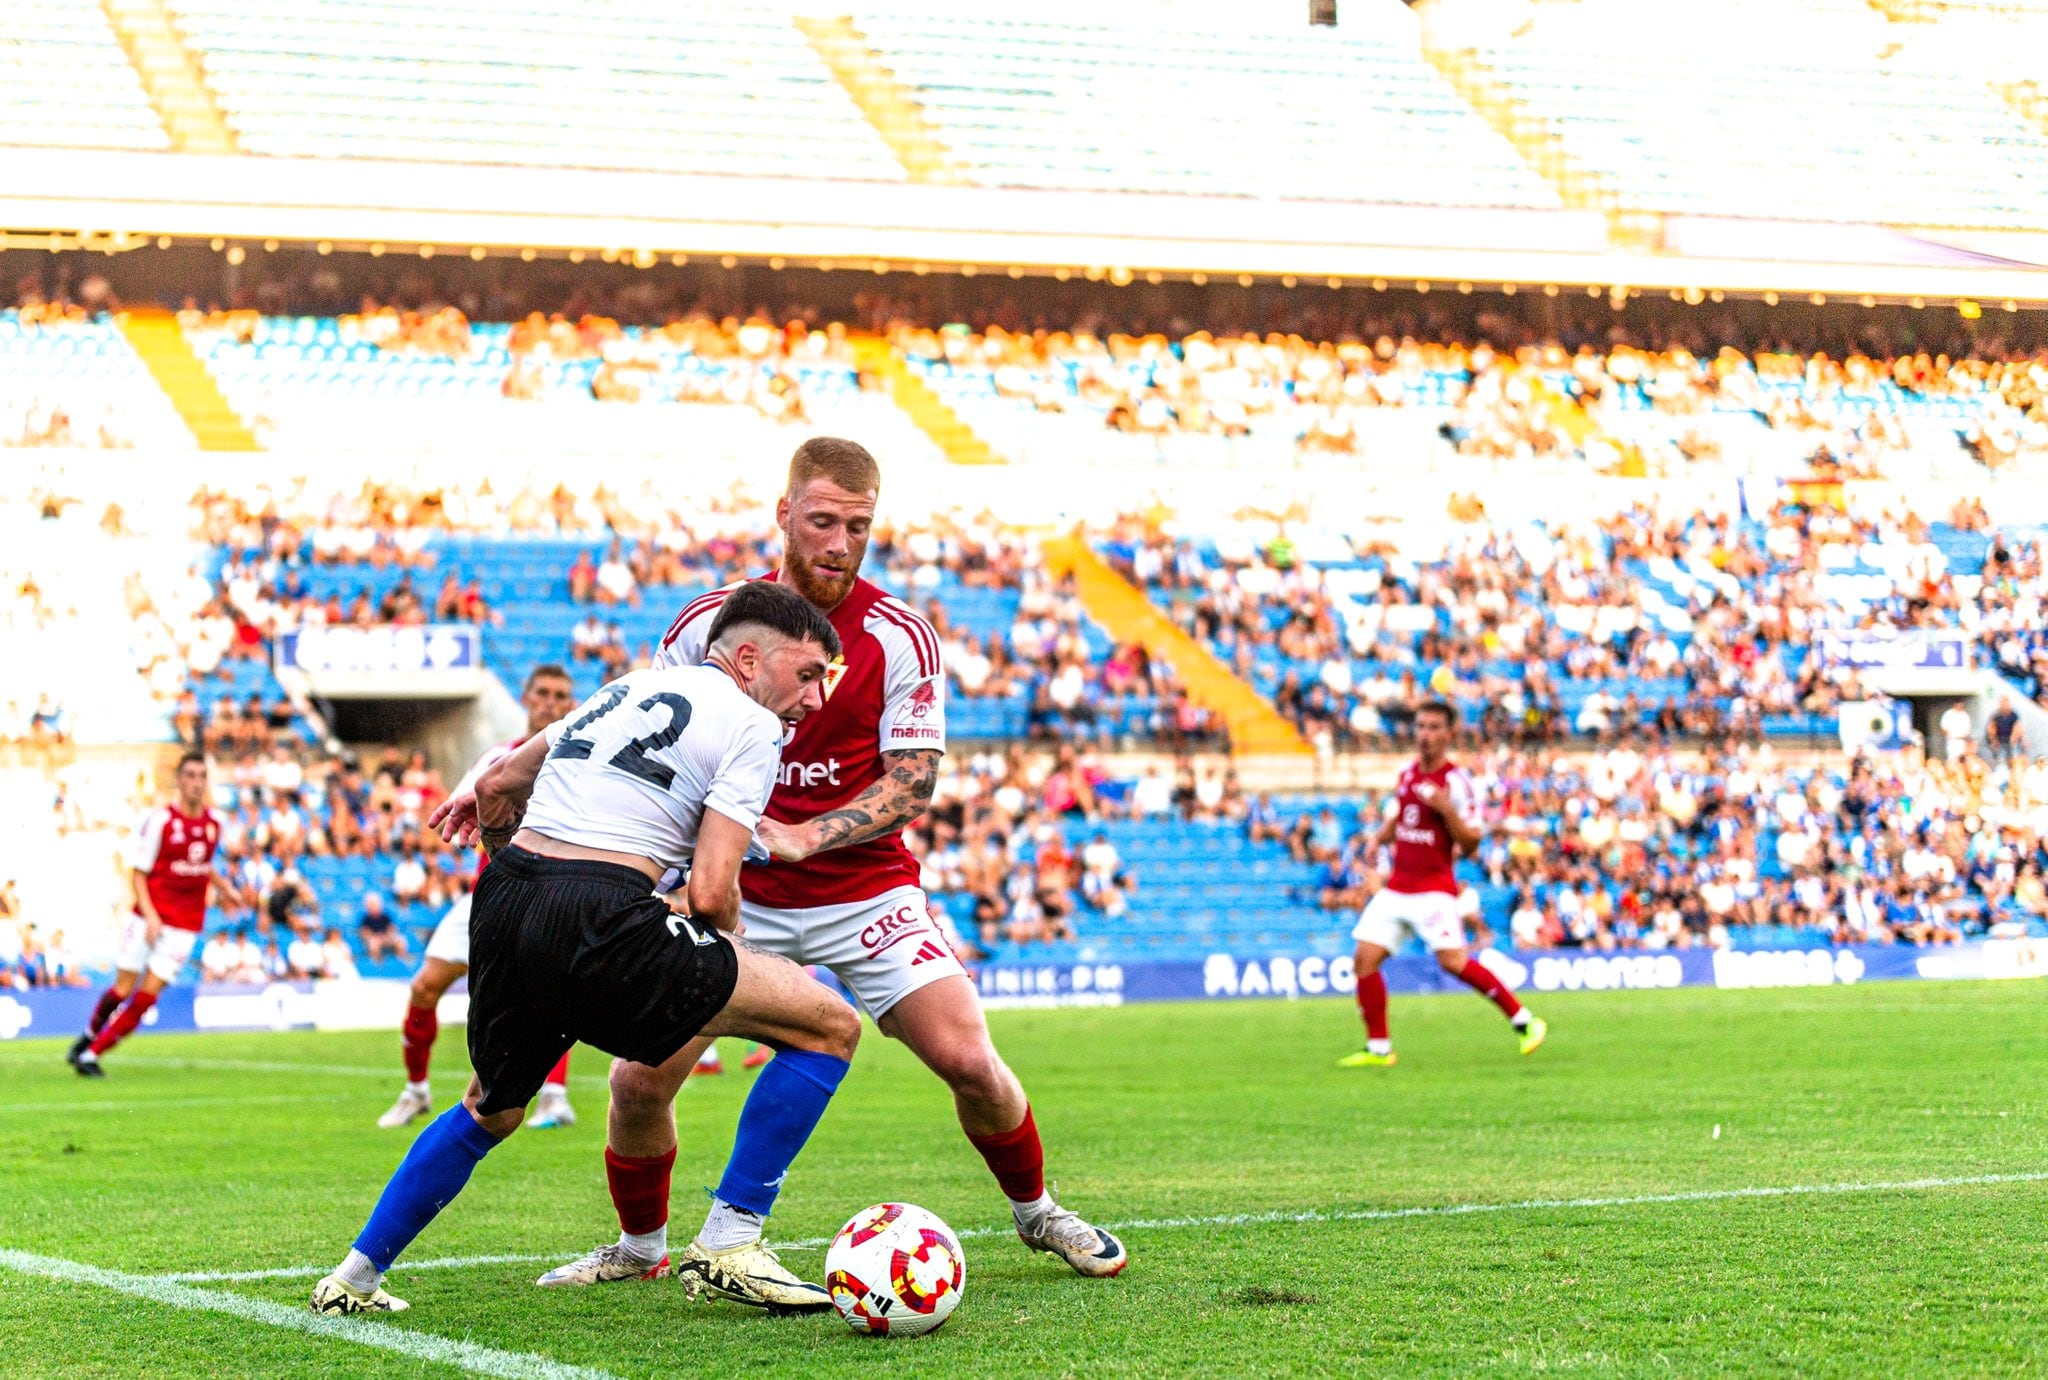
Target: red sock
[559,1074]
[104,1008]
[1372,1004]
[124,1022]
[1016,1159]
[422,1023]
[639,1189]
[1483,980]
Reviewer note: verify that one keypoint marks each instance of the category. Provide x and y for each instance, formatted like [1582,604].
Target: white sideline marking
[1248,1219]
[394,1072]
[450,1262]
[423,1346]
[152,1103]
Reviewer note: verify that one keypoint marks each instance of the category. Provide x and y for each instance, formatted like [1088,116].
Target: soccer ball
[895,1271]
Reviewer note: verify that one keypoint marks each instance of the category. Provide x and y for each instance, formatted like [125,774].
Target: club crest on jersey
[923,698]
[833,674]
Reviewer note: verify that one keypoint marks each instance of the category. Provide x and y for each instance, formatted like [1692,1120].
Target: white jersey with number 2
[632,770]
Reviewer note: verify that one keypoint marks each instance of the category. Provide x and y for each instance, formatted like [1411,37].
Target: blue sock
[781,1112]
[428,1178]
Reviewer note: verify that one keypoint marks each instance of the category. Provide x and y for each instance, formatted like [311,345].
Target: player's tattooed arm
[898,798]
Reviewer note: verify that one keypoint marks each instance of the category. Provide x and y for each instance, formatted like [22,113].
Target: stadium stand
[65,82]
[1628,848]
[645,86]
[1367,391]
[1255,109]
[1690,626]
[70,379]
[1768,108]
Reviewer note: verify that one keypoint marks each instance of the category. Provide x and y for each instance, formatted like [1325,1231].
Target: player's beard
[825,591]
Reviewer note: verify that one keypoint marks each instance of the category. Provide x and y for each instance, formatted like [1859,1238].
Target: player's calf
[816,1033]
[434,1171]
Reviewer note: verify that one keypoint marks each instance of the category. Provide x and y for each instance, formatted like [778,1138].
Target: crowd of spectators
[1635,846]
[1547,631]
[1630,848]
[287,805]
[74,415]
[1516,390]
[1011,844]
[31,956]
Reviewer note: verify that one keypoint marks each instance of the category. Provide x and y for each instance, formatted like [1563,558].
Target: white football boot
[1090,1250]
[749,1274]
[608,1264]
[410,1106]
[553,1110]
[330,1295]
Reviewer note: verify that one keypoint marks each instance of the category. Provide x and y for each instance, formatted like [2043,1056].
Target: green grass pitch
[236,1153]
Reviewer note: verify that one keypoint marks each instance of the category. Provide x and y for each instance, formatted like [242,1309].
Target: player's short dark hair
[192,755]
[1440,707]
[845,463]
[547,670]
[762,603]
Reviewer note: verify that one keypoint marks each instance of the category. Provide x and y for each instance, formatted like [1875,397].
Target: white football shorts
[165,958]
[450,939]
[1431,915]
[882,949]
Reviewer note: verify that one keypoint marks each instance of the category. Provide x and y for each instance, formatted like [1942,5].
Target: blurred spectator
[379,936]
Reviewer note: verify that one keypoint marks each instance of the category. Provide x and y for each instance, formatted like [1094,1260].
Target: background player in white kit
[546,697]
[663,769]
[1435,817]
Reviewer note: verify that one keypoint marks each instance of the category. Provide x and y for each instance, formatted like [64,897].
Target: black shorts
[562,951]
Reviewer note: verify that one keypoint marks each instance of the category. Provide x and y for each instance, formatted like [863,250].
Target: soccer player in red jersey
[171,870]
[547,696]
[1435,818]
[842,890]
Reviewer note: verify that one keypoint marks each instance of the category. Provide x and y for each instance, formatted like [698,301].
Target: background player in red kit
[1435,817]
[171,869]
[843,890]
[546,697]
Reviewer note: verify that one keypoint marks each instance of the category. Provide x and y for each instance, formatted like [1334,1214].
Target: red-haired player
[1434,819]
[171,870]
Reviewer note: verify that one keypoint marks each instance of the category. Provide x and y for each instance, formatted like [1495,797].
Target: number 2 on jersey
[633,758]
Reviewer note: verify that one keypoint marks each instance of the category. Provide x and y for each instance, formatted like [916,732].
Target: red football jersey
[175,850]
[887,693]
[1423,850]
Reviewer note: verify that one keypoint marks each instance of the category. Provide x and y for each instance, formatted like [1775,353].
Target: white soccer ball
[895,1271]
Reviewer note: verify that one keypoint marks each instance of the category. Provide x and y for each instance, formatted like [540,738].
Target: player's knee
[836,1030]
[1451,960]
[638,1088]
[425,993]
[972,1069]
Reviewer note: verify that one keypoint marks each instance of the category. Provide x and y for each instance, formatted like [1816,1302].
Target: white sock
[726,1226]
[359,1274]
[420,1087]
[86,1056]
[1029,1213]
[647,1247]
[558,1091]
[710,1059]
[1520,1020]
[1382,1046]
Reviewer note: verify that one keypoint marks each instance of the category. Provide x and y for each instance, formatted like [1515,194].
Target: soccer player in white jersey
[547,696]
[1435,816]
[662,769]
[842,890]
